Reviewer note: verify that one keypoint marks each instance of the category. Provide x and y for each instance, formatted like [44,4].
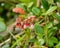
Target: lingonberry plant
[39,23]
[38,32]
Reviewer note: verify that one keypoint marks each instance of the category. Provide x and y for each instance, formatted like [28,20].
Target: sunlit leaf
[28,1]
[41,41]
[30,4]
[58,45]
[50,1]
[51,9]
[49,25]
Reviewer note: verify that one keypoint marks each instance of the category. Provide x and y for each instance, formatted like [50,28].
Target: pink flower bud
[19,10]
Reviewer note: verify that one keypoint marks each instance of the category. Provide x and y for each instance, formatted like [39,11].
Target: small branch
[8,40]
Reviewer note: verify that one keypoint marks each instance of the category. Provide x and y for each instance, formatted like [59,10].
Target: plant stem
[38,3]
[46,30]
[18,41]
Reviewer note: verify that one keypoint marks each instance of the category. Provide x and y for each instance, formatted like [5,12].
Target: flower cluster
[26,23]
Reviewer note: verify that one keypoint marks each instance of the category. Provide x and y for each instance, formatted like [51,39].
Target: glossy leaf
[30,4]
[2,26]
[38,29]
[51,31]
[51,9]
[36,11]
[58,45]
[45,4]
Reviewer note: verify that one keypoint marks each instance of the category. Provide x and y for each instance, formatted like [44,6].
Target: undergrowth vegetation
[36,25]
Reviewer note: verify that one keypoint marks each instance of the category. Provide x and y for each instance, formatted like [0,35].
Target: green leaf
[50,43]
[33,40]
[54,39]
[51,9]
[28,1]
[36,11]
[58,25]
[1,9]
[58,45]
[38,29]
[1,38]
[51,31]
[2,26]
[18,41]
[41,41]
[45,4]
[50,1]
[49,25]
[30,4]
[24,1]
[1,19]
[57,17]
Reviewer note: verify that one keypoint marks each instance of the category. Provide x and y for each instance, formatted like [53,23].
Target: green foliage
[1,38]
[58,45]
[52,41]
[27,2]
[45,4]
[33,40]
[51,9]
[2,26]
[30,4]
[38,29]
[1,19]
[49,25]
[1,9]
[57,17]
[45,32]
[36,11]
[51,31]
